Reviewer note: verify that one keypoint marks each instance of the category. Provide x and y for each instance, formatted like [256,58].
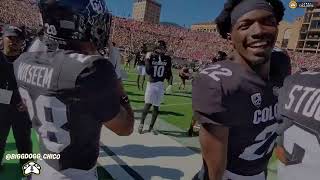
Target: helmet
[82,20]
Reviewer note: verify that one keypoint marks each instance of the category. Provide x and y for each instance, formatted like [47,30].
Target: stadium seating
[130,34]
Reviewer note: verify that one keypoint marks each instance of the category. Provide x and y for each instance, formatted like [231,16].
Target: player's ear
[229,40]
[229,36]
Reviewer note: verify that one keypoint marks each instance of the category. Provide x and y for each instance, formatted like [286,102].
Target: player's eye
[244,25]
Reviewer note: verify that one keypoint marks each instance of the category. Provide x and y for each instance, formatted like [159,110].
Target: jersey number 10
[52,114]
[158,71]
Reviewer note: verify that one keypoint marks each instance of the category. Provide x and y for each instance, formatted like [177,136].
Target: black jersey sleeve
[207,101]
[98,89]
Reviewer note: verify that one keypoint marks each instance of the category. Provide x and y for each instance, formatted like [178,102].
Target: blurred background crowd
[184,45]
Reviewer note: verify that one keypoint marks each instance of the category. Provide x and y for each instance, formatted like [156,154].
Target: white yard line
[169,105]
[181,104]
[147,157]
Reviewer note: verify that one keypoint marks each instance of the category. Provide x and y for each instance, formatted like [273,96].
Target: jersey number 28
[52,114]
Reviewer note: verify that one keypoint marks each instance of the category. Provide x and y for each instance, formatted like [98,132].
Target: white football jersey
[299,104]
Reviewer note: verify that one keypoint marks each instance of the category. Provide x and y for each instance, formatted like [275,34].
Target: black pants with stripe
[21,127]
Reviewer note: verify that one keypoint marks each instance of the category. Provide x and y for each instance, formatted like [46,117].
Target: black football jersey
[140,59]
[68,96]
[299,106]
[227,94]
[158,67]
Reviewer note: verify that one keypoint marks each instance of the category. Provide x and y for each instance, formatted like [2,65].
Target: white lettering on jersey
[291,96]
[159,63]
[268,134]
[266,114]
[307,140]
[158,71]
[49,123]
[35,75]
[312,106]
[51,29]
[217,70]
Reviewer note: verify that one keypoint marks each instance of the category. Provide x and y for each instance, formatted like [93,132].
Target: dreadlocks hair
[223,21]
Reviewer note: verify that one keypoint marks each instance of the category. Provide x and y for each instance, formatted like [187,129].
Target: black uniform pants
[21,127]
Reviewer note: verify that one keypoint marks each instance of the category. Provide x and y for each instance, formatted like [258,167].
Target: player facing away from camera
[70,93]
[158,68]
[299,146]
[233,100]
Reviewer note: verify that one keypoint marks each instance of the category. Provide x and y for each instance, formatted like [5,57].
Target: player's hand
[280,153]
[123,123]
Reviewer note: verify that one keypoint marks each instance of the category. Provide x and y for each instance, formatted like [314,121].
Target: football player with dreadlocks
[233,100]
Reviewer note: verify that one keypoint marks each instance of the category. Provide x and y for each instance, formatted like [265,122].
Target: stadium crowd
[129,34]
[304,60]
[183,42]
[19,12]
